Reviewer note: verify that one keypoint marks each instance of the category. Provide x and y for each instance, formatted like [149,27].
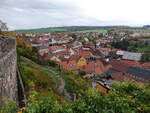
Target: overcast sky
[24,14]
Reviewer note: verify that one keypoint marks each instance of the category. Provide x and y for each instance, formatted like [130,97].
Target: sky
[28,14]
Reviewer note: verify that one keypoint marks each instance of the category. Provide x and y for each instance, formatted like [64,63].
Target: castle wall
[8,63]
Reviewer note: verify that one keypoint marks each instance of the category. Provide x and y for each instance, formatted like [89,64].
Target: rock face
[8,62]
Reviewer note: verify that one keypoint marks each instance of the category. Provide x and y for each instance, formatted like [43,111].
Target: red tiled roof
[90,44]
[119,66]
[147,65]
[71,65]
[85,54]
[95,66]
[74,57]
[131,63]
[53,48]
[118,76]
[105,49]
[89,67]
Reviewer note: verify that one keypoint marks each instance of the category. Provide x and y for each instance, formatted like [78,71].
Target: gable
[82,62]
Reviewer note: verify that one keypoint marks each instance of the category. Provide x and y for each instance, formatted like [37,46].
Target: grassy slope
[51,81]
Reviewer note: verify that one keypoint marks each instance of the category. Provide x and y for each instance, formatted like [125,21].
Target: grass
[99,31]
[34,76]
[48,80]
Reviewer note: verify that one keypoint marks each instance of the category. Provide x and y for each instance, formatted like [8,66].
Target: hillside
[42,30]
[49,80]
[101,29]
[67,29]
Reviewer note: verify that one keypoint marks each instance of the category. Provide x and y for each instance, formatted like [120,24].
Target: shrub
[9,107]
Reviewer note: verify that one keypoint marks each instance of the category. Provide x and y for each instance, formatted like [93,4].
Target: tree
[145,57]
[9,107]
[122,98]
[3,26]
[41,104]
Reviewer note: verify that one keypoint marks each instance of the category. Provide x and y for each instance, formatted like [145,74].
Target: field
[59,29]
[99,31]
[43,30]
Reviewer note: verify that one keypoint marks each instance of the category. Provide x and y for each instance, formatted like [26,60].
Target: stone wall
[8,62]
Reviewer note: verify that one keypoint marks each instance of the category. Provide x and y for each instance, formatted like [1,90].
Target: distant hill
[146,26]
[73,29]
[42,30]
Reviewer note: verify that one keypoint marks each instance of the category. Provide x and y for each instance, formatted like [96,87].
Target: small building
[77,44]
[105,51]
[146,65]
[42,50]
[56,49]
[104,88]
[132,56]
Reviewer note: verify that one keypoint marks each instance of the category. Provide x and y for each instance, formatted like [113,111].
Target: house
[35,44]
[71,52]
[102,87]
[77,44]
[82,62]
[42,50]
[85,54]
[52,41]
[132,56]
[119,66]
[43,42]
[56,49]
[90,44]
[58,40]
[139,74]
[105,51]
[95,67]
[131,70]
[120,52]
[69,65]
[131,63]
[86,39]
[146,65]
[55,58]
[135,34]
[118,76]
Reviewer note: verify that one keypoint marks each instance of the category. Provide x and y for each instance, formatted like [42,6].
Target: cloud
[41,13]
[24,14]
